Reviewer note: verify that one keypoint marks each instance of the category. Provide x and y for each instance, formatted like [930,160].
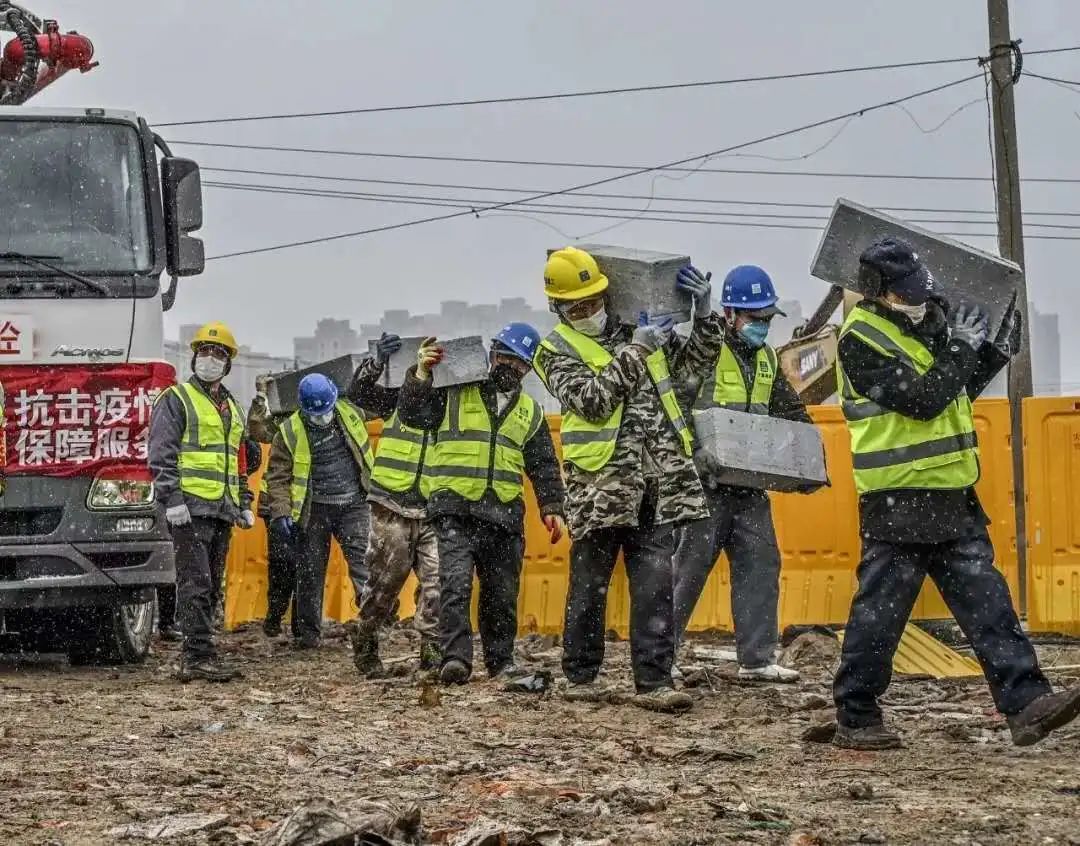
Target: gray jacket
[167,424]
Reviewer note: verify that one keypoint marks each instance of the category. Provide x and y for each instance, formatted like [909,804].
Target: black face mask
[505,378]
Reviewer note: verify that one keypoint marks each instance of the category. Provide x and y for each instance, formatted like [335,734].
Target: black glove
[1010,336]
[386,346]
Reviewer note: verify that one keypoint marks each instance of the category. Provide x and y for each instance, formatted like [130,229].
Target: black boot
[1050,711]
[365,644]
[211,669]
[866,738]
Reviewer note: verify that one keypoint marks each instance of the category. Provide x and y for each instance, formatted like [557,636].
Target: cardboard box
[967,275]
[642,280]
[465,361]
[281,388]
[758,451]
[393,375]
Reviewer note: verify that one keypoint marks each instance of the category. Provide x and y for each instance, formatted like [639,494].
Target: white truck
[94,217]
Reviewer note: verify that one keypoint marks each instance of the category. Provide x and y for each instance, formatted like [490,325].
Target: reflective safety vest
[296,440]
[891,451]
[467,457]
[209,458]
[726,388]
[399,456]
[588,445]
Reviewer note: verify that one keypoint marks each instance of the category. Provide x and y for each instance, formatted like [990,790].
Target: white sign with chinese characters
[16,338]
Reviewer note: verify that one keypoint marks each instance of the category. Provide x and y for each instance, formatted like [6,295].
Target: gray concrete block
[968,275]
[642,280]
[465,361]
[393,375]
[758,451]
[281,388]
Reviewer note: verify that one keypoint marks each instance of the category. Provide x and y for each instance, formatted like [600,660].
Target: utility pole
[1011,246]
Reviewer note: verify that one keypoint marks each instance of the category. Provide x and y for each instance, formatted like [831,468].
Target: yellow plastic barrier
[818,537]
[1052,480]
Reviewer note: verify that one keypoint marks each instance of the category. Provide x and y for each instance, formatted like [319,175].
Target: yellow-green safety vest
[891,451]
[209,459]
[296,440]
[726,388]
[399,457]
[589,446]
[467,457]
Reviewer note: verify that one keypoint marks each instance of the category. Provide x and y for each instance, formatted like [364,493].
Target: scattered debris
[820,732]
[813,650]
[360,824]
[178,825]
[537,682]
[860,790]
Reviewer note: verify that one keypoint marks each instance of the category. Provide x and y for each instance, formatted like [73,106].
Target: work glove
[427,357]
[652,335]
[178,515]
[1010,337]
[556,527]
[283,527]
[698,286]
[969,326]
[386,346]
[709,469]
[247,519]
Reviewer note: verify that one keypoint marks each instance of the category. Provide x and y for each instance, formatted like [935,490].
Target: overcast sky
[189,59]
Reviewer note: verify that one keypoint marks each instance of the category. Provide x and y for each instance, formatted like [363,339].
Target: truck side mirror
[181,188]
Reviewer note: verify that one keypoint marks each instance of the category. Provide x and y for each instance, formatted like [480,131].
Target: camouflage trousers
[397,546]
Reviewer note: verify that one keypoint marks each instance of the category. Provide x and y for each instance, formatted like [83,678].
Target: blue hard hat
[748,287]
[520,339]
[317,394]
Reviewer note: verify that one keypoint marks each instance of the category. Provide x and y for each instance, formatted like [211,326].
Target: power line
[466,202]
[599,92]
[603,195]
[606,166]
[598,212]
[1058,80]
[596,183]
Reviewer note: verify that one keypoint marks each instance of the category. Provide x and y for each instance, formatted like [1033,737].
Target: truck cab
[94,218]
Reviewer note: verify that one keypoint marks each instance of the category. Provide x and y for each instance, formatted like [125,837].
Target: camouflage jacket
[648,452]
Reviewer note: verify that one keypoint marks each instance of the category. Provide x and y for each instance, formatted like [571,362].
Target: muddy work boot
[666,700]
[454,672]
[430,655]
[1043,715]
[272,627]
[365,645]
[866,738]
[211,669]
[592,691]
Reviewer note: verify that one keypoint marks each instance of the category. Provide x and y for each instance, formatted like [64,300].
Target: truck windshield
[74,193]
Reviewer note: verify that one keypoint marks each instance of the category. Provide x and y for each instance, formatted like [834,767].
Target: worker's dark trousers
[166,603]
[468,545]
[648,552]
[201,548]
[740,524]
[348,524]
[890,576]
[280,577]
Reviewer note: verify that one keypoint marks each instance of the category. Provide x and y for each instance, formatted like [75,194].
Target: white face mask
[913,313]
[209,369]
[593,325]
[322,420]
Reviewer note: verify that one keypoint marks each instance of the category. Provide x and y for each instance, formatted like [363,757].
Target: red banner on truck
[72,420]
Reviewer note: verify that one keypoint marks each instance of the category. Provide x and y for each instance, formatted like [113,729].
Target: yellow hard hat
[216,333]
[572,274]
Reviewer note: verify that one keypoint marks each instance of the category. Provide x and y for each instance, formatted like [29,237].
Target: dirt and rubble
[301,751]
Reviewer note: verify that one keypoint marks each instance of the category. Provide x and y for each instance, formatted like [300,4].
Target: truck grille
[16,568]
[29,521]
[116,560]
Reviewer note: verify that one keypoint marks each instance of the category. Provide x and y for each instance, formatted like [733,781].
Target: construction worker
[281,554]
[196,456]
[402,537]
[907,375]
[488,436]
[629,473]
[317,481]
[745,377]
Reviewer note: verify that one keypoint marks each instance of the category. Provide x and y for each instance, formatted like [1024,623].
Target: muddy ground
[86,752]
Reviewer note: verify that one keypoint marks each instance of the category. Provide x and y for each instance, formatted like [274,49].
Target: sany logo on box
[16,337]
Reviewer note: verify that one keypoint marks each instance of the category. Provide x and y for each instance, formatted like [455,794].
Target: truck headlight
[127,488]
